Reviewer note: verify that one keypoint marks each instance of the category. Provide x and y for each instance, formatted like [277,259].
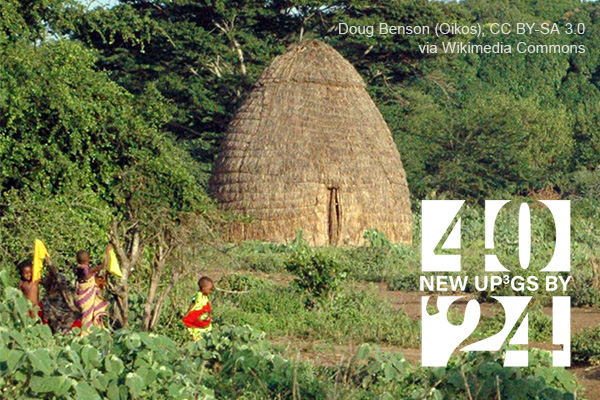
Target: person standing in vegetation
[59,307]
[87,293]
[29,287]
[198,318]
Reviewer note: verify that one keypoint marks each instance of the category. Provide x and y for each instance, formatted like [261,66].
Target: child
[87,294]
[30,289]
[197,318]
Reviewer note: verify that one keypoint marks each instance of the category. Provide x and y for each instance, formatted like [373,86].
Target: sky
[110,3]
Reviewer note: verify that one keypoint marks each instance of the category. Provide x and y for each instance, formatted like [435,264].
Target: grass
[353,313]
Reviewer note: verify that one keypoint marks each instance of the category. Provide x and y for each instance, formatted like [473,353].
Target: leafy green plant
[584,289]
[317,273]
[371,366]
[238,362]
[261,256]
[237,282]
[382,261]
[471,375]
[586,346]
[246,364]
[482,376]
[230,361]
[126,364]
[353,312]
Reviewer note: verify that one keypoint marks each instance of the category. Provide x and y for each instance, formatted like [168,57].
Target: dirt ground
[323,353]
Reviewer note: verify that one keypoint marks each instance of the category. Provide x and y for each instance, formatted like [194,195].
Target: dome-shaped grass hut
[309,150]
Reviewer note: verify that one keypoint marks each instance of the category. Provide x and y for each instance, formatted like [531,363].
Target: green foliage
[33,20]
[231,362]
[55,220]
[318,274]
[399,265]
[491,143]
[382,261]
[583,291]
[235,362]
[493,125]
[485,376]
[370,366]
[586,346]
[67,127]
[79,152]
[201,55]
[242,282]
[75,145]
[468,376]
[350,313]
[249,368]
[260,256]
[127,364]
[539,327]
[81,147]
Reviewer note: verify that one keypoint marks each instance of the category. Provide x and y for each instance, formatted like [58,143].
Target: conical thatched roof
[309,149]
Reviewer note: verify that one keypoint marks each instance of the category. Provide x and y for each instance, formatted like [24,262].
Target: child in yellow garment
[197,318]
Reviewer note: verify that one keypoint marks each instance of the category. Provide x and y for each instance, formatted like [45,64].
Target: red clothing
[198,318]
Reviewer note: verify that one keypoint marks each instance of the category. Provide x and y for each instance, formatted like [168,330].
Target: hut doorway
[334,216]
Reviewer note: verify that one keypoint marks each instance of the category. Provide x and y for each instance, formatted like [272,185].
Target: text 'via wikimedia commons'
[489,38]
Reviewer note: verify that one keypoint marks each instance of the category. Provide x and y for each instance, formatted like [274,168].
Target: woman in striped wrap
[87,293]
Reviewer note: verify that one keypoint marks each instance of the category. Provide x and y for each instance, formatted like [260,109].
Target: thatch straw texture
[308,149]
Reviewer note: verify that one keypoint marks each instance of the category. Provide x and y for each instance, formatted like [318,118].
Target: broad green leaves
[58,385]
[238,362]
[135,383]
[127,365]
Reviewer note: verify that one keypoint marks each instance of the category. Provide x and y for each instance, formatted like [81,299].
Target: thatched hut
[308,149]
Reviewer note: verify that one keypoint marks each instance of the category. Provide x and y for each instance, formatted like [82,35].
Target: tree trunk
[149,307]
[121,294]
[175,276]
[128,250]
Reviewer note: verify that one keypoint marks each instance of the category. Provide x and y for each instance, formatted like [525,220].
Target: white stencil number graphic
[440,338]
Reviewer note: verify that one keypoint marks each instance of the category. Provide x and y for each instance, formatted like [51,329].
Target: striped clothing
[93,306]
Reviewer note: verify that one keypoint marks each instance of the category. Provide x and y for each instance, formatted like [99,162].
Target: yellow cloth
[113,264]
[39,253]
[200,301]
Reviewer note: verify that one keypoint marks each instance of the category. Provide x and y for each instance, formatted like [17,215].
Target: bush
[237,362]
[245,364]
[351,313]
[371,366]
[34,363]
[472,375]
[318,274]
[539,328]
[584,289]
[242,282]
[485,377]
[382,261]
[230,362]
[586,346]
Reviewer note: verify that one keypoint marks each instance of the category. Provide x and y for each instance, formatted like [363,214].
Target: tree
[204,55]
[79,151]
[201,55]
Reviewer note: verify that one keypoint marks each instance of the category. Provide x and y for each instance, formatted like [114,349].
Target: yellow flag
[39,253]
[113,264]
